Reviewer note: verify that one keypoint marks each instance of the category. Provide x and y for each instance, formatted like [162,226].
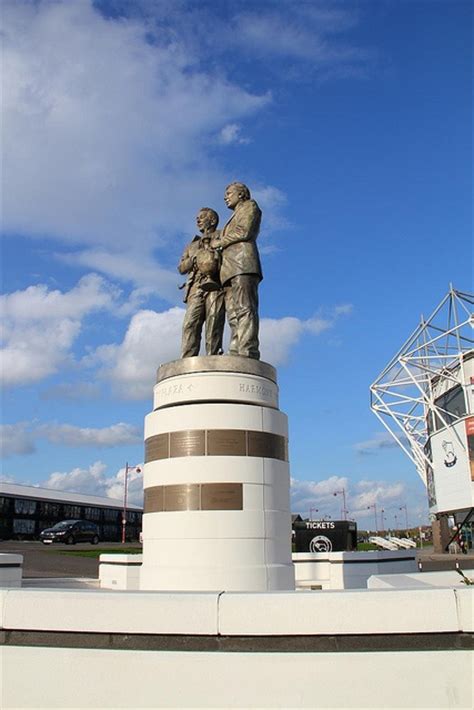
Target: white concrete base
[103,674]
[11,567]
[94,678]
[348,570]
[120,571]
[418,580]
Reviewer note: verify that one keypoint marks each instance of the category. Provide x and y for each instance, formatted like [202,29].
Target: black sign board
[324,535]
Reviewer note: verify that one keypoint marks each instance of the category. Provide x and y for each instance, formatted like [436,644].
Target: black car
[70,532]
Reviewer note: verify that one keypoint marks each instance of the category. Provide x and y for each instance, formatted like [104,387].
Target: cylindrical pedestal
[216,479]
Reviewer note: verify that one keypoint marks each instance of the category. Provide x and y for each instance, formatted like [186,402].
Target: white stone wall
[46,676]
[348,570]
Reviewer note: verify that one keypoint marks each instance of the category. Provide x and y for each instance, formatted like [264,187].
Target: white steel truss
[403,396]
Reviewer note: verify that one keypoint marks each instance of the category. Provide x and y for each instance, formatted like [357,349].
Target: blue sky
[350,122]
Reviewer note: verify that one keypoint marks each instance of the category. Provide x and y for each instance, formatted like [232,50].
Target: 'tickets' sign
[325,535]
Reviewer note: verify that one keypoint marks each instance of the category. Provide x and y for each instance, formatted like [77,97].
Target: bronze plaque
[267,445]
[226,442]
[153,500]
[157,447]
[221,496]
[181,497]
[187,443]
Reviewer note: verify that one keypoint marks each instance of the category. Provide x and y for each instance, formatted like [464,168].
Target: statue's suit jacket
[240,254]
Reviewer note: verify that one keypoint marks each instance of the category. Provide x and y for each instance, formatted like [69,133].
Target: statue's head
[234,193]
[207,219]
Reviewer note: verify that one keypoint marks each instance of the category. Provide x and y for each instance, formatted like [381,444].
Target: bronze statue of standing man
[203,294]
[240,271]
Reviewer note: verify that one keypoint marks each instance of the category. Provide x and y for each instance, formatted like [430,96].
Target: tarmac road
[47,561]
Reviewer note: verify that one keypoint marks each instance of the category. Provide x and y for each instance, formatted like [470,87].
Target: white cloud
[231,133]
[361,496]
[151,339]
[305,34]
[40,326]
[316,494]
[20,438]
[381,440]
[107,437]
[279,336]
[130,265]
[121,127]
[378,492]
[38,303]
[16,439]
[95,481]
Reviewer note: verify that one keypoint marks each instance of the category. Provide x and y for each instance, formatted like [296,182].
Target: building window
[452,405]
[23,526]
[72,512]
[49,510]
[25,507]
[111,515]
[92,513]
[4,504]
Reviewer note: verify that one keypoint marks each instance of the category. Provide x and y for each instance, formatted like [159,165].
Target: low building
[27,510]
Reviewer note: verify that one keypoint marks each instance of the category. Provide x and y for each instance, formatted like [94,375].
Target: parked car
[70,532]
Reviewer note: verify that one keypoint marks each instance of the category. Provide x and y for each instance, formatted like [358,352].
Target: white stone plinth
[216,480]
[120,571]
[11,567]
[348,570]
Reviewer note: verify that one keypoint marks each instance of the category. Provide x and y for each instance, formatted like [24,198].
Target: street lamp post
[125,494]
[343,493]
[404,507]
[311,511]
[374,506]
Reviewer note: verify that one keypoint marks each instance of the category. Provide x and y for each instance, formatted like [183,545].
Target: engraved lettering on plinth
[153,502]
[181,497]
[157,447]
[187,443]
[266,445]
[221,496]
[226,442]
[256,389]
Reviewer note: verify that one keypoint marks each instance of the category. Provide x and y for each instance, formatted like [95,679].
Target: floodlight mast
[406,395]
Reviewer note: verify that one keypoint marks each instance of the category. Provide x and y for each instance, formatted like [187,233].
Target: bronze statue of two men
[224,271]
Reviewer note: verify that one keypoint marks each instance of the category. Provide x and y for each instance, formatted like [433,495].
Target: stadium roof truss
[431,361]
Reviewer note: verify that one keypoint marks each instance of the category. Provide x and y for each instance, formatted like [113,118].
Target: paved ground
[50,561]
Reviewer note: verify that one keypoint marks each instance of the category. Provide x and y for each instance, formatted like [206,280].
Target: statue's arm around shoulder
[244,225]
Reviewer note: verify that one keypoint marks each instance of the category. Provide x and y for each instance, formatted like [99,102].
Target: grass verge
[101,551]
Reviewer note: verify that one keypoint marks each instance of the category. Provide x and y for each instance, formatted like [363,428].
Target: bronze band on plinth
[216,442]
[193,496]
